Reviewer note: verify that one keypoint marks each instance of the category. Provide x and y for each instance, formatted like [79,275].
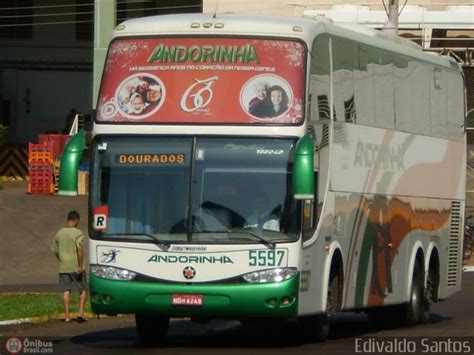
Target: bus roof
[396,44]
[305,28]
[197,23]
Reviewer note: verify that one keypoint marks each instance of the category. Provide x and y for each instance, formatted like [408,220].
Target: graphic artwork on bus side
[110,256]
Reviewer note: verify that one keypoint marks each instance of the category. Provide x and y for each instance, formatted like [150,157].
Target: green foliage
[27,305]
[3,134]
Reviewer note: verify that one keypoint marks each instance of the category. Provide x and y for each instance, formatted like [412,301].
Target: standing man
[68,246]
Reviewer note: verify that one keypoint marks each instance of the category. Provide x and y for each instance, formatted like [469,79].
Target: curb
[41,319]
[16,321]
[469,268]
[21,293]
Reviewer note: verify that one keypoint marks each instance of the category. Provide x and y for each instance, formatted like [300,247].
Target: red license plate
[187,300]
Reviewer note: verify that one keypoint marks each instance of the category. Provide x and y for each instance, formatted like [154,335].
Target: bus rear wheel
[428,296]
[151,329]
[416,303]
[416,310]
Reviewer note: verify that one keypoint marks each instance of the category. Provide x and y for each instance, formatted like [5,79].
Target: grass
[28,305]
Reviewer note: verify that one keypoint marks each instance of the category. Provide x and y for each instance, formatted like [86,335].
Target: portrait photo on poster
[140,95]
[266,97]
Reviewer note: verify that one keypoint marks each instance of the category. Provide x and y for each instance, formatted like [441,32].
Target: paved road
[450,320]
[26,263]
[27,226]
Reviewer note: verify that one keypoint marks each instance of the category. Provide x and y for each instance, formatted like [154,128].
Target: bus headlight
[271,275]
[112,273]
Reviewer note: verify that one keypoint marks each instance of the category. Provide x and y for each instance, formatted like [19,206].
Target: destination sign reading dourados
[149,159]
[204,54]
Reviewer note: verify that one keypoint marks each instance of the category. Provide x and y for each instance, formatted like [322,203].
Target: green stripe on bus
[233,300]
[363,267]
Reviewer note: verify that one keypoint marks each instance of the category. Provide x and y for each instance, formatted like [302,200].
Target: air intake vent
[454,247]
[325,137]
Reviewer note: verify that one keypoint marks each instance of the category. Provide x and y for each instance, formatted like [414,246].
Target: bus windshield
[194,190]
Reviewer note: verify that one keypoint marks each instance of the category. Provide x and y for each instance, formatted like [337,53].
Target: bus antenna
[215,10]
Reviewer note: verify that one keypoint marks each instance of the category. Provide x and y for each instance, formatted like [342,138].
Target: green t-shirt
[65,244]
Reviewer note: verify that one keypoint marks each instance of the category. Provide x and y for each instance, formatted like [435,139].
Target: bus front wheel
[316,328]
[150,328]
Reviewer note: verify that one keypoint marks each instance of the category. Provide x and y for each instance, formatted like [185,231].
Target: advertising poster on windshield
[203,81]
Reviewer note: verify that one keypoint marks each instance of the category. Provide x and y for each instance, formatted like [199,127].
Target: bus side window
[310,213]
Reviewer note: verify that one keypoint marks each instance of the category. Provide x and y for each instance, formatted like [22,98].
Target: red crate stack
[64,140]
[57,141]
[40,159]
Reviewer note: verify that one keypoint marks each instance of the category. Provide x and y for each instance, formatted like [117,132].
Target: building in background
[46,59]
[442,26]
[46,49]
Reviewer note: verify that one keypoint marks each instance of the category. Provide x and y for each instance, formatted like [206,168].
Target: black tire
[428,292]
[151,329]
[316,328]
[416,310]
[413,309]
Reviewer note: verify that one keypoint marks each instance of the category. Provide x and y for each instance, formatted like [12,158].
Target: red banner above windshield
[203,81]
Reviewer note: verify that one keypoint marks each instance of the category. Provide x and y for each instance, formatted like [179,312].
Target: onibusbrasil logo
[16,345]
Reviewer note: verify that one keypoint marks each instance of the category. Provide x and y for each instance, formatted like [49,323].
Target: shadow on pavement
[224,334]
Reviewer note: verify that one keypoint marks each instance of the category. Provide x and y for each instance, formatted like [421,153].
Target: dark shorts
[72,281]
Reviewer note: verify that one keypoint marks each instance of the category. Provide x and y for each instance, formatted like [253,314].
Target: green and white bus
[258,167]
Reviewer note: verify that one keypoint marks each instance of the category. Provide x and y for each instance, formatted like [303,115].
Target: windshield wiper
[158,241]
[269,243]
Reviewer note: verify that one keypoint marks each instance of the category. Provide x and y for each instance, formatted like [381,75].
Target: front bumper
[279,300]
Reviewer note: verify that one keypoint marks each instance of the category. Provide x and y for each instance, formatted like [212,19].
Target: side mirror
[70,160]
[303,169]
